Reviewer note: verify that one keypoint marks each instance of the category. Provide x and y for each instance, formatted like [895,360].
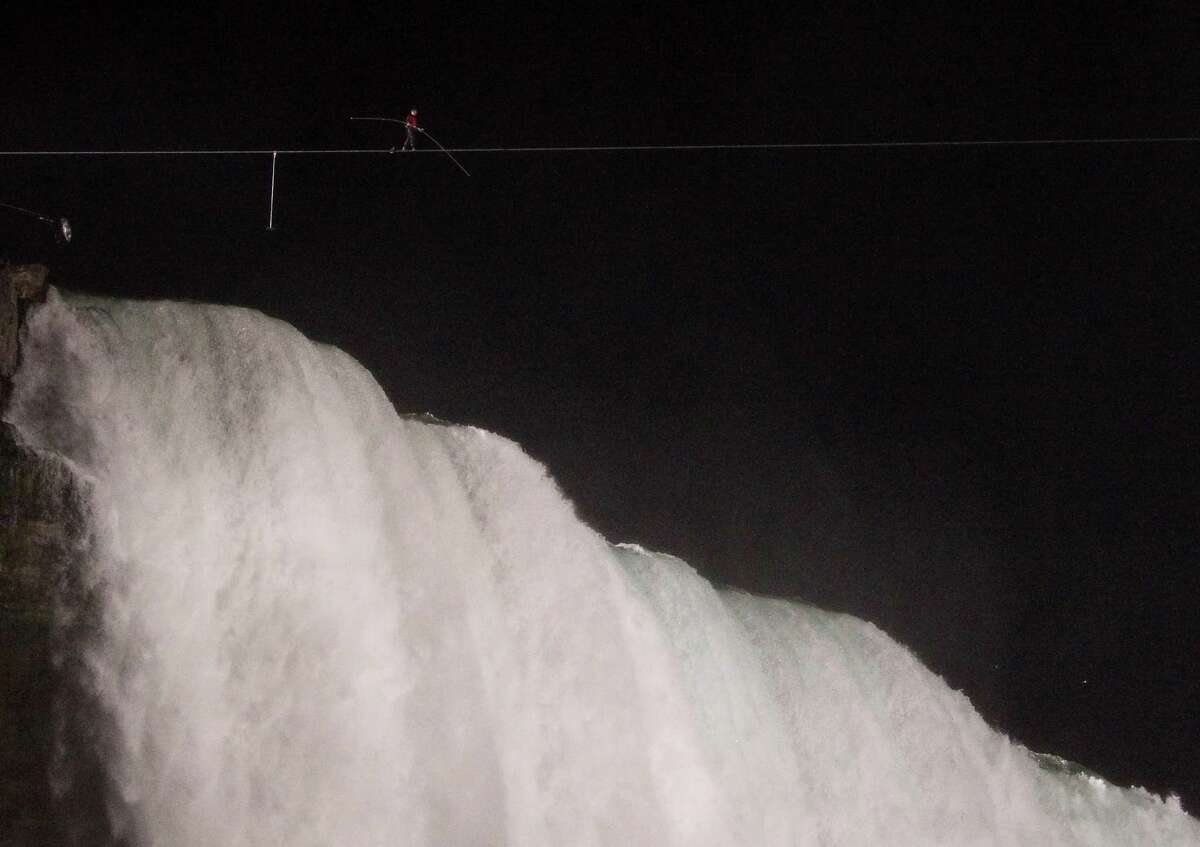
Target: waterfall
[318,622]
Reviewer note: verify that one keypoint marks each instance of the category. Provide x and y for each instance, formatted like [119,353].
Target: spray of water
[321,623]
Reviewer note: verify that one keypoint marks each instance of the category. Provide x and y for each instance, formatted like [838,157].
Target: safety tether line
[617,148]
[271,213]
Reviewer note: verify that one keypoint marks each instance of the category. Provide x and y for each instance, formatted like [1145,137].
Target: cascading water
[321,623]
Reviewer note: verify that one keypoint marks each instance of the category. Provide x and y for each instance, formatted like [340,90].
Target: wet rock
[41,537]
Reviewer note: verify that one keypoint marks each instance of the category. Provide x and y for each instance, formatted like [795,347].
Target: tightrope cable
[616,148]
[275,153]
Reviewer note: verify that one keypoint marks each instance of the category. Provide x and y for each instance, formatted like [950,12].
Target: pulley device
[62,227]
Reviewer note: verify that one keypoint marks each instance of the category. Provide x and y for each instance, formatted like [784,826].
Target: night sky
[948,389]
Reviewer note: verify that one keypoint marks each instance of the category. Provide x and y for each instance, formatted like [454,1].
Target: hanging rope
[271,213]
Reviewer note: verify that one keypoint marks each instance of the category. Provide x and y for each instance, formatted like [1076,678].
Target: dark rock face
[20,285]
[42,533]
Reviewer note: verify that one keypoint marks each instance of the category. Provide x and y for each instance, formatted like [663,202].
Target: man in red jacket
[411,129]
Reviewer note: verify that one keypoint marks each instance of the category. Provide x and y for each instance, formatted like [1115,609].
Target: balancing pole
[425,132]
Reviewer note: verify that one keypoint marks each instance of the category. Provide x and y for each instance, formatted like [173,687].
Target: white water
[324,624]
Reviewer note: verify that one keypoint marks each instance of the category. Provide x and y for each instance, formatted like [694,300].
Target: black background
[948,389]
